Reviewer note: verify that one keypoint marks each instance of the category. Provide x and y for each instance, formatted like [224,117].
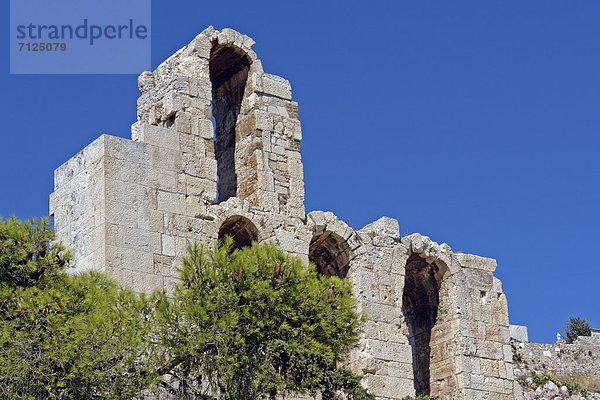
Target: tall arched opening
[330,253]
[228,66]
[420,305]
[241,229]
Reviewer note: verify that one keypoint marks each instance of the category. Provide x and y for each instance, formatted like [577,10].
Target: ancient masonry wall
[580,359]
[215,152]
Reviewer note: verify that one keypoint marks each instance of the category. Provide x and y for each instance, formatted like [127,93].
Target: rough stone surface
[551,391]
[518,333]
[580,359]
[436,321]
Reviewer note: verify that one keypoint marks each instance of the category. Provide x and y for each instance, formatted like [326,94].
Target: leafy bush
[534,381]
[572,386]
[420,397]
[577,327]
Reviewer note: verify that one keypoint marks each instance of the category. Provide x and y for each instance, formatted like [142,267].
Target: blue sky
[475,123]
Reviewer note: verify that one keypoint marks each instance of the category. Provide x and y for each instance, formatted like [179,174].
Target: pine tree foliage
[255,323]
[27,253]
[242,324]
[64,336]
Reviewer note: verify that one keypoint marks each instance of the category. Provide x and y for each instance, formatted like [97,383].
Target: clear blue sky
[475,123]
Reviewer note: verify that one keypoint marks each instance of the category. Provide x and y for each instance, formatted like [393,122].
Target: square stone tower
[215,152]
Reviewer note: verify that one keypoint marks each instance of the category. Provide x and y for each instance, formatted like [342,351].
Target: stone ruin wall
[579,360]
[436,321]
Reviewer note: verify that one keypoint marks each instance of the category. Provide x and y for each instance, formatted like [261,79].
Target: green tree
[577,327]
[255,323]
[28,255]
[64,336]
[242,324]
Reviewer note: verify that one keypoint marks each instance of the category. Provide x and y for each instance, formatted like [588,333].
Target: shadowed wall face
[420,301]
[241,229]
[330,253]
[228,74]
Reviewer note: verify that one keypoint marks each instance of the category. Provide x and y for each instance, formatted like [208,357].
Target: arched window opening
[330,253]
[228,68]
[420,302]
[241,229]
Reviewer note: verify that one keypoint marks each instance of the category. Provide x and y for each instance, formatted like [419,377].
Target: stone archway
[241,229]
[420,301]
[330,253]
[429,308]
[228,69]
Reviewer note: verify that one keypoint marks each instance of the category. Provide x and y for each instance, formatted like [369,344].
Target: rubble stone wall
[436,321]
[579,359]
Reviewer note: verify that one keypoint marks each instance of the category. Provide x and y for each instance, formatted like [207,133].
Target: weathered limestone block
[388,387]
[277,86]
[477,262]
[158,136]
[519,333]
[384,226]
